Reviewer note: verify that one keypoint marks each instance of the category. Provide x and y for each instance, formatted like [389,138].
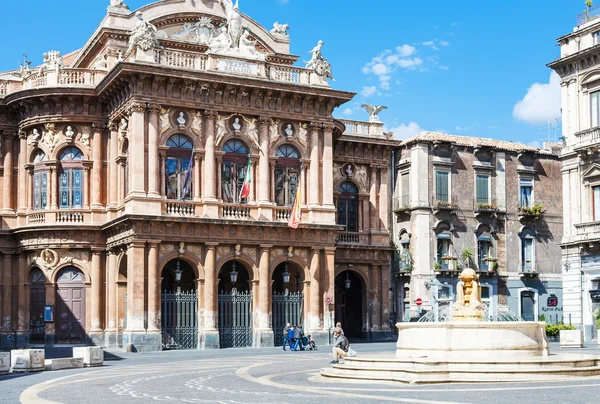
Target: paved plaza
[262,376]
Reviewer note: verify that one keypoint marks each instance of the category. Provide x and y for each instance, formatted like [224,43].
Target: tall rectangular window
[527,254]
[40,190]
[594,108]
[525,193]
[443,249]
[484,248]
[482,189]
[596,202]
[405,188]
[441,186]
[70,188]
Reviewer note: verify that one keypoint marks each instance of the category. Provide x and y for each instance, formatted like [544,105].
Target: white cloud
[541,103]
[348,111]
[405,131]
[444,67]
[380,69]
[410,63]
[405,50]
[444,43]
[368,91]
[385,85]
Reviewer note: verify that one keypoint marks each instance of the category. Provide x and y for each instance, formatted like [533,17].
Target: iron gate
[179,320]
[235,319]
[287,308]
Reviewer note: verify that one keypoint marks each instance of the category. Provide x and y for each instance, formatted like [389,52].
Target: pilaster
[263,336]
[211,333]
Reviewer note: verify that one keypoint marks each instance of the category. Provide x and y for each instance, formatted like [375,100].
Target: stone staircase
[451,370]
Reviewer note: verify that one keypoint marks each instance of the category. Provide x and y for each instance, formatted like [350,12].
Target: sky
[464,67]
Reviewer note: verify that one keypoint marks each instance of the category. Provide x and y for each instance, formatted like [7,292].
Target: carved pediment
[592,172]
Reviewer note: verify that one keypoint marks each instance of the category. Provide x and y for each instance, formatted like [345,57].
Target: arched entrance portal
[37,300]
[235,306]
[70,310]
[349,303]
[288,298]
[179,306]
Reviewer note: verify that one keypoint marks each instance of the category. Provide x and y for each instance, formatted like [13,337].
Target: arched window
[71,178]
[287,175]
[40,181]
[527,250]
[484,250]
[445,258]
[178,169]
[235,167]
[347,206]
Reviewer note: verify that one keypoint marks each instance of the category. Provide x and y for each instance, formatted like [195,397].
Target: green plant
[536,210]
[437,265]
[542,317]
[553,330]
[445,204]
[467,256]
[597,317]
[494,266]
[486,206]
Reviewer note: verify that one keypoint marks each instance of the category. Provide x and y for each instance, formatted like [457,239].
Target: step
[63,363]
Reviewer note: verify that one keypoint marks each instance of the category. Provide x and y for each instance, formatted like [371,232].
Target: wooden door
[70,308]
[37,300]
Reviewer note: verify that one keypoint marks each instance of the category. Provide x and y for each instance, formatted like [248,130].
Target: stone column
[373,296]
[153,135]
[113,166]
[209,163]
[53,188]
[373,216]
[264,334]
[153,287]
[313,182]
[135,287]
[137,124]
[211,333]
[263,163]
[328,279]
[385,297]
[327,178]
[97,167]
[383,201]
[197,164]
[22,188]
[7,285]
[96,304]
[23,317]
[29,201]
[315,293]
[111,299]
[86,186]
[7,206]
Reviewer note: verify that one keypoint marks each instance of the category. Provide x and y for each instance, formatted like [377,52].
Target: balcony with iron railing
[444,204]
[589,14]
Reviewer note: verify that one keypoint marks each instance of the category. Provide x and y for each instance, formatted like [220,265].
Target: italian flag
[245,192]
[296,215]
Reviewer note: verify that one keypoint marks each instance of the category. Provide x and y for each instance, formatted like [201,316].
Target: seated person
[340,347]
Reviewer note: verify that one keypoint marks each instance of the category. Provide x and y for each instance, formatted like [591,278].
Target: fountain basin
[472,339]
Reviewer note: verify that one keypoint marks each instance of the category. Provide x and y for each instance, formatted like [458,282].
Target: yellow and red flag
[296,216]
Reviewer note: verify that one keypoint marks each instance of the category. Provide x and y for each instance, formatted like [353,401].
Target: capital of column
[210,114]
[329,250]
[98,127]
[154,108]
[314,126]
[136,107]
[112,126]
[211,245]
[22,135]
[264,120]
[328,127]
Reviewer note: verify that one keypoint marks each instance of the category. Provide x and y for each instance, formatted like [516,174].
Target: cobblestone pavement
[261,376]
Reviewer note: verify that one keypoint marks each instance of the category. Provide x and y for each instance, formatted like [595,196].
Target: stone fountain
[467,349]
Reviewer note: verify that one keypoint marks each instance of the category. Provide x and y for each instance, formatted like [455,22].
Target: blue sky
[453,66]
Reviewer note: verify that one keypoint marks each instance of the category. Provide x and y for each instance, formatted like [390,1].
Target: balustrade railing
[232,211]
[348,238]
[3,88]
[587,229]
[69,217]
[282,214]
[588,137]
[36,218]
[179,208]
[290,74]
[179,59]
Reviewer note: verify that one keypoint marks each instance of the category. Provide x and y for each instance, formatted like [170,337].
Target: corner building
[123,164]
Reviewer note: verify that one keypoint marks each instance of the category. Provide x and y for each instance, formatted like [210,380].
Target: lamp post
[347,282]
[233,274]
[178,271]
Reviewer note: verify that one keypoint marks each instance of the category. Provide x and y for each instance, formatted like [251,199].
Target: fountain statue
[468,306]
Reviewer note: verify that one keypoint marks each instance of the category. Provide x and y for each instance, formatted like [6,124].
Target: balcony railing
[347,237]
[588,15]
[282,214]
[444,203]
[58,217]
[234,211]
[587,138]
[367,129]
[586,231]
[179,208]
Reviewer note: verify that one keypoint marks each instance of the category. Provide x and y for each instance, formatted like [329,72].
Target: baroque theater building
[178,183]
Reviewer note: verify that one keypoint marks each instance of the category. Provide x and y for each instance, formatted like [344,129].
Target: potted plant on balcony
[536,211]
[437,266]
[486,206]
[492,262]
[467,256]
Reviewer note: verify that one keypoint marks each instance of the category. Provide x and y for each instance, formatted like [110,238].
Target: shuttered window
[441,186]
[405,187]
[594,108]
[482,189]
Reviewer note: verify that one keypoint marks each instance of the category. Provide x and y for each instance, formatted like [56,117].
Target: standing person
[291,338]
[340,347]
[298,334]
[285,335]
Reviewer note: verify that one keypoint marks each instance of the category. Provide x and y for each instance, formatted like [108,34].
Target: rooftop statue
[143,35]
[234,21]
[118,6]
[318,63]
[280,29]
[248,46]
[373,111]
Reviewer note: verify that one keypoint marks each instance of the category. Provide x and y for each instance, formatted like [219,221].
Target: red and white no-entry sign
[419,301]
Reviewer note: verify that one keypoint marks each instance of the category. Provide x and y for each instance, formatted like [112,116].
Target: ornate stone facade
[122,174]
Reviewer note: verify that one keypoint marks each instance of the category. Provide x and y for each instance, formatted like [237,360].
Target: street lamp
[286,274]
[233,274]
[347,281]
[178,271]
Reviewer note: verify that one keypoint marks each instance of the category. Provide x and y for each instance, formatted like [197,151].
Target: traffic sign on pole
[419,301]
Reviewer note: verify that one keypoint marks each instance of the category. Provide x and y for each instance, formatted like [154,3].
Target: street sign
[419,301]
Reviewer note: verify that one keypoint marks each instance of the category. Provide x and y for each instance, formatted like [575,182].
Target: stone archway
[287,298]
[179,306]
[350,303]
[235,305]
[70,310]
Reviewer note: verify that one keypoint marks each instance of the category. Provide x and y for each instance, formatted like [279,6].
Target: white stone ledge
[63,363]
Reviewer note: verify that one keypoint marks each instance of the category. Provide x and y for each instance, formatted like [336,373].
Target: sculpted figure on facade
[361,177]
[280,29]
[234,21]
[101,63]
[34,137]
[181,119]
[199,32]
[303,134]
[143,35]
[318,63]
[248,47]
[237,126]
[274,131]
[69,133]
[197,123]
[118,4]
[252,132]
[85,138]
[289,130]
[52,61]
[221,42]
[373,111]
[164,120]
[51,138]
[220,130]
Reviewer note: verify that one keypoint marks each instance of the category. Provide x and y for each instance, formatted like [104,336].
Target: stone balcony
[233,211]
[347,237]
[83,78]
[365,129]
[586,138]
[587,231]
[59,217]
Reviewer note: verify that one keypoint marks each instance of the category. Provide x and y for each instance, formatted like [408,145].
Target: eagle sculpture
[373,111]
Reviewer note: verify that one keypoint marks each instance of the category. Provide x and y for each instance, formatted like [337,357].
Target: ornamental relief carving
[49,259]
[275,253]
[222,250]
[166,249]
[249,251]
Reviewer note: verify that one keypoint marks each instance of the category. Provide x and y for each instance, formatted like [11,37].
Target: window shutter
[482,189]
[405,184]
[441,186]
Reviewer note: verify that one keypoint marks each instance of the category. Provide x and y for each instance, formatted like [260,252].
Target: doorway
[70,310]
[349,304]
